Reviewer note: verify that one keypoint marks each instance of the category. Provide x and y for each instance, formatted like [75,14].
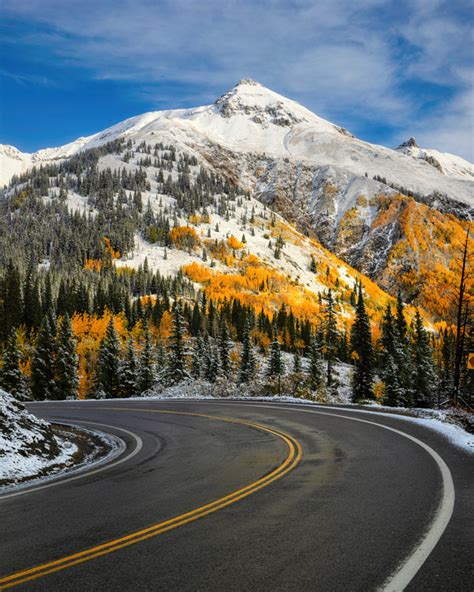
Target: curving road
[212,495]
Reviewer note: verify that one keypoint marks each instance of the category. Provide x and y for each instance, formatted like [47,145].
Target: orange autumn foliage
[89,330]
[93,264]
[109,249]
[184,237]
[197,273]
[234,243]
[425,258]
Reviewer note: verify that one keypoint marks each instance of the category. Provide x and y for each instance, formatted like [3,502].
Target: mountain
[363,202]
[448,164]
[252,119]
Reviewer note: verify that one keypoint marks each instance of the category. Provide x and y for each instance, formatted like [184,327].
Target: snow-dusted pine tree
[129,372]
[247,362]
[147,367]
[224,350]
[175,372]
[198,356]
[275,366]
[315,368]
[67,362]
[330,336]
[363,354]
[297,362]
[425,382]
[43,360]
[108,363]
[12,378]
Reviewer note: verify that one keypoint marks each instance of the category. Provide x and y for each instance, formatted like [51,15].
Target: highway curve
[211,496]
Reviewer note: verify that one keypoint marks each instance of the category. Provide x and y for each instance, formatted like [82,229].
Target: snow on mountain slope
[449,164]
[253,120]
[12,162]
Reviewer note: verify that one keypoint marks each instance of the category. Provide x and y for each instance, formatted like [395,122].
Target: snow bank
[28,446]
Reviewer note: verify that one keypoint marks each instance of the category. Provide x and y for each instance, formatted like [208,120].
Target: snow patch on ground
[28,446]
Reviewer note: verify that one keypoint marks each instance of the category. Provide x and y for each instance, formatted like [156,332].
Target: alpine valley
[253,210]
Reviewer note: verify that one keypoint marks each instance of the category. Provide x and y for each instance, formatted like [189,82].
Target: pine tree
[32,305]
[424,377]
[146,370]
[210,361]
[224,350]
[297,362]
[67,363]
[12,300]
[108,363]
[129,372]
[43,360]
[12,378]
[361,346]
[247,362]
[315,370]
[275,362]
[330,336]
[401,323]
[207,360]
[401,353]
[176,371]
[198,356]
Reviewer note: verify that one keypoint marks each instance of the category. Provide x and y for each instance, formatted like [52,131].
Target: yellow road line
[293,458]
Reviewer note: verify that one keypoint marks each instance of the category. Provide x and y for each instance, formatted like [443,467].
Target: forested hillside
[140,263]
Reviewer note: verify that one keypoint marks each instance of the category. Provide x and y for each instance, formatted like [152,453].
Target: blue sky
[384,69]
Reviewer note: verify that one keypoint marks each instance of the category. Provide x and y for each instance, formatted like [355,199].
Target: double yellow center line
[294,456]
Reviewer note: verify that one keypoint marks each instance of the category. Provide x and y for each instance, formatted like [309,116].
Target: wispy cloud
[361,61]
[26,79]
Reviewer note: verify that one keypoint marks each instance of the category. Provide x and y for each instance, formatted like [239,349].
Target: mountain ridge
[251,118]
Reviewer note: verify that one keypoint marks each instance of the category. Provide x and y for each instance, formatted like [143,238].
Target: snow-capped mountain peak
[410,143]
[252,121]
[448,164]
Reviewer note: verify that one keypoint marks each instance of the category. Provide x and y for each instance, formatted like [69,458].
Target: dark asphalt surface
[343,520]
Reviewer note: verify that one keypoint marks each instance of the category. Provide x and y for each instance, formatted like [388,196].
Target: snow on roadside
[28,446]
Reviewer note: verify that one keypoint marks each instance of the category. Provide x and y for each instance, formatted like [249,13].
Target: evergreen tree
[297,362]
[424,377]
[196,320]
[210,361]
[108,363]
[12,378]
[32,305]
[12,300]
[198,356]
[247,362]
[129,372]
[146,370]
[401,323]
[330,336]
[315,370]
[275,362]
[67,363]
[207,359]
[361,346]
[176,371]
[401,354]
[224,350]
[43,360]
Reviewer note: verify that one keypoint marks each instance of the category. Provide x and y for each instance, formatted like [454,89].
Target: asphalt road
[363,504]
